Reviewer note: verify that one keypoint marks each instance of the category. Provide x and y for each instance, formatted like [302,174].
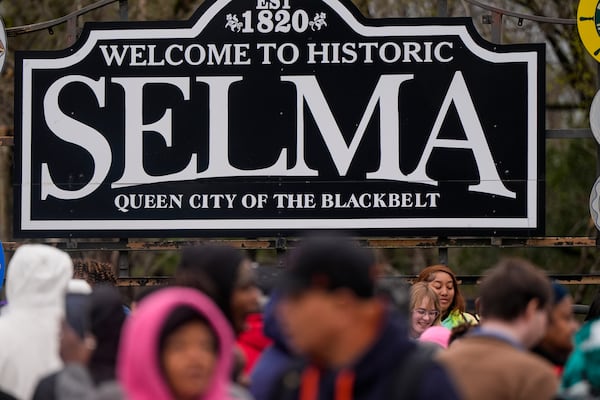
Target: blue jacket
[375,375]
[275,360]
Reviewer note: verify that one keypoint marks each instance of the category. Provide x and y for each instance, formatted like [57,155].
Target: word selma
[384,102]
[136,201]
[150,55]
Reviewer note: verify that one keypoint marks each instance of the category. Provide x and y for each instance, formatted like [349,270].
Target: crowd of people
[331,329]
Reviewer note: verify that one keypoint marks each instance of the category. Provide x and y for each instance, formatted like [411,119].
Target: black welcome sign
[269,117]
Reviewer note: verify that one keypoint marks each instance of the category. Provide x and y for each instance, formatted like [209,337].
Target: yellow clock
[588,25]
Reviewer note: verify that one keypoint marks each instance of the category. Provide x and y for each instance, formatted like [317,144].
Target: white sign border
[531,58]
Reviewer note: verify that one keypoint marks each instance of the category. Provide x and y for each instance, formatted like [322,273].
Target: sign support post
[442,8]
[123,260]
[123,10]
[496,27]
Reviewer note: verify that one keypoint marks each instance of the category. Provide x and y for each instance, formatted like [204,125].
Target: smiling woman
[424,309]
[441,279]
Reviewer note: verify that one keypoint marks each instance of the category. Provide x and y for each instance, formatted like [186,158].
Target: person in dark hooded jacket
[276,359]
[356,346]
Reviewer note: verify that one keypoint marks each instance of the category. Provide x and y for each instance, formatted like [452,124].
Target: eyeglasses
[422,312]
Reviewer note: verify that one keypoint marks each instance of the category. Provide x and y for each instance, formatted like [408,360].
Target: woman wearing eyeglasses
[424,309]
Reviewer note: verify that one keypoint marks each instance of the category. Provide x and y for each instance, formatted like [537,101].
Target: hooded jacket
[374,376]
[276,359]
[138,363]
[36,285]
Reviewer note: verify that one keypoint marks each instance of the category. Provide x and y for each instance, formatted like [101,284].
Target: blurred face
[245,297]
[443,286]
[308,321]
[189,359]
[73,348]
[423,316]
[561,327]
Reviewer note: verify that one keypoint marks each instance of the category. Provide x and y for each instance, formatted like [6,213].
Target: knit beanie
[560,292]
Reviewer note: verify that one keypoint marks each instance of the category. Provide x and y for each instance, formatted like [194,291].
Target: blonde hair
[420,291]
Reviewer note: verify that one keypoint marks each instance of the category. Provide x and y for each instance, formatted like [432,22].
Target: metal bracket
[281,244]
[123,10]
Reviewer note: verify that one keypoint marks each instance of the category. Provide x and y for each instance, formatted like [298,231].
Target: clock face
[588,25]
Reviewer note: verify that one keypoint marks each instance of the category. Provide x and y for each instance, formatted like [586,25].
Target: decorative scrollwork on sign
[233,23]
[318,22]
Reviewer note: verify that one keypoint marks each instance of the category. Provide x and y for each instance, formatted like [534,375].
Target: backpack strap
[407,376]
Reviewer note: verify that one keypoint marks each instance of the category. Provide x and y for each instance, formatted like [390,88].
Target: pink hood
[138,367]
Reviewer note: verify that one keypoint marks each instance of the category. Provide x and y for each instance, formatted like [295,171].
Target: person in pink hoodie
[176,346]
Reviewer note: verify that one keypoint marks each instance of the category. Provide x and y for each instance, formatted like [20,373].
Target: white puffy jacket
[36,283]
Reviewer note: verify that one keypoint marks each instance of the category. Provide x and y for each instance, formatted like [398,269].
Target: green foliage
[570,174]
